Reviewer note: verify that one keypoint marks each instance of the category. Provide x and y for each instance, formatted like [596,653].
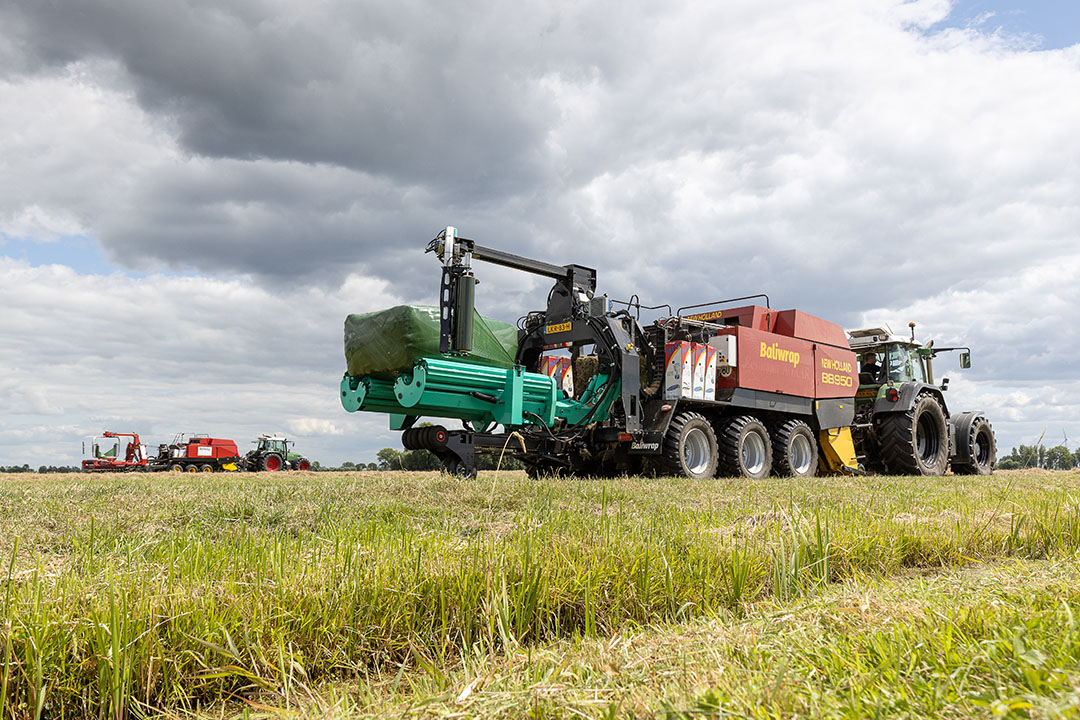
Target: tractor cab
[886,360]
[272,444]
[899,361]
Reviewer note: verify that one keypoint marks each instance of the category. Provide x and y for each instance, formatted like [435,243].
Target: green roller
[479,393]
[440,388]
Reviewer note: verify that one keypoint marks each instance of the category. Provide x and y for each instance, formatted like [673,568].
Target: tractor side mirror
[965,360]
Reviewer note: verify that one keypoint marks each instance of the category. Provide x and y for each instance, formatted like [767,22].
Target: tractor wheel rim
[272,464]
[802,454]
[753,453]
[927,442]
[696,451]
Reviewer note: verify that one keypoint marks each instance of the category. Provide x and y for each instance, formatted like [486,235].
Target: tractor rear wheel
[271,462]
[690,447]
[978,435]
[795,450]
[915,442]
[745,448]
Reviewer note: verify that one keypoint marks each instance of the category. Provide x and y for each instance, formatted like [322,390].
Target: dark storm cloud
[404,90]
[437,112]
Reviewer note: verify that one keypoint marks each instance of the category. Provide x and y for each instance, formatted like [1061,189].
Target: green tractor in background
[272,454]
[902,424]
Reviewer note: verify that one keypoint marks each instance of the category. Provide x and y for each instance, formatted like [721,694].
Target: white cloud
[161,355]
[314,426]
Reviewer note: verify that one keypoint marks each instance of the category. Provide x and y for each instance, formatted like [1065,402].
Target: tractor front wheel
[303,464]
[915,442]
[271,462]
[977,436]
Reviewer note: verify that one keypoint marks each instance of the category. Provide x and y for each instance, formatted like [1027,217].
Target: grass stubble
[360,594]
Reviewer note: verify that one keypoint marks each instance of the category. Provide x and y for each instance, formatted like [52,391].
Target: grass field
[361,594]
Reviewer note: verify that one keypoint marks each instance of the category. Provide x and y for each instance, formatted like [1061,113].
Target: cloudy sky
[194,194]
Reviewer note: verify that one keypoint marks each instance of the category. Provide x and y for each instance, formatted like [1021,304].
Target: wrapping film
[387,342]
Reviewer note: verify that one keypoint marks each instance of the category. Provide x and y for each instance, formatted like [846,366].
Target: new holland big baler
[740,391]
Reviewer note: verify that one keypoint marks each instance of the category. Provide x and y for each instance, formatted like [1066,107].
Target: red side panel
[771,362]
[837,375]
[211,448]
[797,324]
[225,448]
[754,317]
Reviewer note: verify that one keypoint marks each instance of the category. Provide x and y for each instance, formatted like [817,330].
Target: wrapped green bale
[387,342]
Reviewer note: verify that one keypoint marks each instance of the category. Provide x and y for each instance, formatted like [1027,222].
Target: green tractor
[902,423]
[272,453]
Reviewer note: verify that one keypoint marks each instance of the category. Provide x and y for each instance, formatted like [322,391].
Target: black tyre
[457,469]
[303,464]
[690,447]
[745,447]
[191,468]
[207,467]
[176,467]
[915,442]
[795,449]
[271,462]
[976,446]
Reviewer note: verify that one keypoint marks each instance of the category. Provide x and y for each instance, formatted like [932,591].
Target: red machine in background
[115,452]
[197,453]
[120,452]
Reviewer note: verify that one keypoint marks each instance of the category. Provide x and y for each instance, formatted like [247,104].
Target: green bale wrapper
[395,367]
[385,343]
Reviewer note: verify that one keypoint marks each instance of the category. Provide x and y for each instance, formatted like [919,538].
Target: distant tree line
[345,466]
[1040,456]
[43,469]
